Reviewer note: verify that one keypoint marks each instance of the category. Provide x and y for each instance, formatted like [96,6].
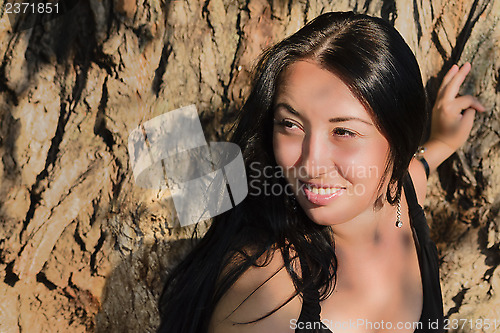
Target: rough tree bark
[84,249]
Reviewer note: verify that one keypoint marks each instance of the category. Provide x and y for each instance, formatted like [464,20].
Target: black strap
[413,206]
[426,166]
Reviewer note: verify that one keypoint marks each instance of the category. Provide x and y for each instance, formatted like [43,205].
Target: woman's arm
[452,120]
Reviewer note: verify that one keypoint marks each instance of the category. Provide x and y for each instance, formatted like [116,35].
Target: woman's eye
[287,124]
[342,132]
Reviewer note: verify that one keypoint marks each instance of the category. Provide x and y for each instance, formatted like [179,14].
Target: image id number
[31,8]
[478,324]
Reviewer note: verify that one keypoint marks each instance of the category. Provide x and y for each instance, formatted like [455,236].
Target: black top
[432,310]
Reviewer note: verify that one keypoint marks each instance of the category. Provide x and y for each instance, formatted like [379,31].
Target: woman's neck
[368,231]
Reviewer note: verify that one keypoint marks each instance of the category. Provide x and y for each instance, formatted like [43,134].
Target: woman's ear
[394,190]
[379,202]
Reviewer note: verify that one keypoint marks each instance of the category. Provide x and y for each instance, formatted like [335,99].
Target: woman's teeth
[322,190]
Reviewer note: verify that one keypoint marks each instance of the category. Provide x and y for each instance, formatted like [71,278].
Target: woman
[335,116]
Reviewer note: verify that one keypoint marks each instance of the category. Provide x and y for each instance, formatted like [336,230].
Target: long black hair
[379,68]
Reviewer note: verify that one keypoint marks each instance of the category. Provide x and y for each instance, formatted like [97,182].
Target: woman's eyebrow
[342,119]
[290,109]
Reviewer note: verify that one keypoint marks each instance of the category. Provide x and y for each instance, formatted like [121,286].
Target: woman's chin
[321,216]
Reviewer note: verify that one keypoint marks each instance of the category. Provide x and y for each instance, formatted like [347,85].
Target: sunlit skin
[324,135]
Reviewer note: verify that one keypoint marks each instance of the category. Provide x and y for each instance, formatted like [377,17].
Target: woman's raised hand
[452,117]
[452,114]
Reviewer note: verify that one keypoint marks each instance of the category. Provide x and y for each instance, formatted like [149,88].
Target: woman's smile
[323,194]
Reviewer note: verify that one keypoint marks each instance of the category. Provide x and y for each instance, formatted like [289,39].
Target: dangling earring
[399,223]
[294,203]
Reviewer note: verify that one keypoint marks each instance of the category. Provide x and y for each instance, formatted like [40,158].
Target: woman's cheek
[360,171]
[349,163]
[365,159]
[286,151]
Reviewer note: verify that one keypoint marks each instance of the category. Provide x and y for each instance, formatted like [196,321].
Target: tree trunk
[82,248]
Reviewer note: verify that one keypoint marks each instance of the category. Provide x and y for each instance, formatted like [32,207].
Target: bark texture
[82,248]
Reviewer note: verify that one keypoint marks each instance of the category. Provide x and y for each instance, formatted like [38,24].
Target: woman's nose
[316,156]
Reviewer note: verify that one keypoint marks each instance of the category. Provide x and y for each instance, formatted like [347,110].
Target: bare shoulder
[245,301]
[417,174]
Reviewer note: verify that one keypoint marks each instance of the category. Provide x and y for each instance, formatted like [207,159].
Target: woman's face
[328,145]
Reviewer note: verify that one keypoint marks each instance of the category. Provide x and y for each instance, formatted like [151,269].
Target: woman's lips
[321,195]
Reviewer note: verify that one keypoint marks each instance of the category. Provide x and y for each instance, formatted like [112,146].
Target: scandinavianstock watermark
[262,178]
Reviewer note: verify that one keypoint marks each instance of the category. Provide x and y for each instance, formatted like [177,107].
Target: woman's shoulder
[419,179]
[258,291]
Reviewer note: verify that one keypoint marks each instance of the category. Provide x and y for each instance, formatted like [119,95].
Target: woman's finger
[447,78]
[467,101]
[466,122]
[452,88]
